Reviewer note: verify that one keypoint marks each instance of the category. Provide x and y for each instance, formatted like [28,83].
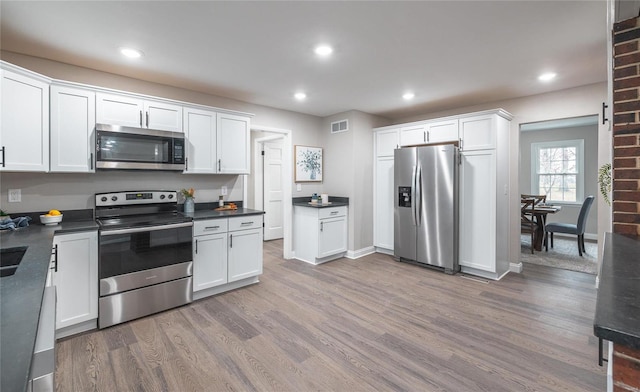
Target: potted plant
[604,181]
[189,203]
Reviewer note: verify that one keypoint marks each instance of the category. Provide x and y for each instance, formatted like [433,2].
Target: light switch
[15,195]
[224,191]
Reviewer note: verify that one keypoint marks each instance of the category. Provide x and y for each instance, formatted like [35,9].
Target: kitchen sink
[9,260]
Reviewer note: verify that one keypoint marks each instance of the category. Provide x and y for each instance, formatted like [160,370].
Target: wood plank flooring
[369,324]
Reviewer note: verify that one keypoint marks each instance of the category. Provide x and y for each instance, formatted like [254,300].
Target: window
[557,170]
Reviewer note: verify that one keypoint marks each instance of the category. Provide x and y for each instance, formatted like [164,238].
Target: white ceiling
[450,53]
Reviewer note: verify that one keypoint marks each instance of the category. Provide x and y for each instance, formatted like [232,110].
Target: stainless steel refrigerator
[426,206]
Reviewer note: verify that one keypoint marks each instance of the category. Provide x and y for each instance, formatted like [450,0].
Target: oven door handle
[144,229]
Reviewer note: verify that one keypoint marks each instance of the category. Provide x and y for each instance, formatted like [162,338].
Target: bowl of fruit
[51,218]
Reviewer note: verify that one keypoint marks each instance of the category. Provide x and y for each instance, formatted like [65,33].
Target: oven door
[143,149]
[166,250]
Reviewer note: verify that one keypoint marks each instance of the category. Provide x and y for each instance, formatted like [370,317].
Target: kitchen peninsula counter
[334,201]
[21,297]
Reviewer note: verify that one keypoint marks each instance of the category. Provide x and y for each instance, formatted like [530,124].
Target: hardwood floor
[354,325]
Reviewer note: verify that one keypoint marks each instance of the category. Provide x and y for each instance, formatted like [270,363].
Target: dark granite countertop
[617,317]
[212,214]
[21,297]
[334,201]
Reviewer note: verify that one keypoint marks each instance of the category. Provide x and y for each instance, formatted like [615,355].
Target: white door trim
[287,168]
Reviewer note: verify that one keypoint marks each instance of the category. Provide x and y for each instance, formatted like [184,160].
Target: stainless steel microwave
[119,147]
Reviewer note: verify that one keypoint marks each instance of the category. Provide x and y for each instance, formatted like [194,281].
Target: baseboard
[384,251]
[225,287]
[355,254]
[515,267]
[76,329]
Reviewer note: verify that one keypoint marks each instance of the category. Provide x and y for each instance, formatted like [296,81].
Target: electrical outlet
[224,191]
[298,187]
[15,195]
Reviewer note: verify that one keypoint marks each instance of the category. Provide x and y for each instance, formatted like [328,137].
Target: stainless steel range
[145,255]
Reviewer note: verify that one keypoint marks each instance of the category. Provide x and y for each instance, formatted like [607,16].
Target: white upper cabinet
[200,132]
[24,129]
[73,119]
[478,133]
[413,135]
[386,142]
[233,144]
[442,131]
[136,112]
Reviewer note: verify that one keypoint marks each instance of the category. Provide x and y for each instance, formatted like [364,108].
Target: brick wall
[626,127]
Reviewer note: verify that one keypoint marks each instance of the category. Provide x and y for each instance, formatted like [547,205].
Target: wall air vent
[340,126]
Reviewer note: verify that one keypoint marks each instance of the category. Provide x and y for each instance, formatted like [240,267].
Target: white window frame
[535,154]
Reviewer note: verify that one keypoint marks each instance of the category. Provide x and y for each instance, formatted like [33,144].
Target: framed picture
[308,164]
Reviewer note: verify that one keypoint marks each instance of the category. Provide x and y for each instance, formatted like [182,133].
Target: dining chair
[568,228]
[527,222]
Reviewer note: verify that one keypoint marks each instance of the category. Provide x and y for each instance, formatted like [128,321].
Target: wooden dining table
[539,213]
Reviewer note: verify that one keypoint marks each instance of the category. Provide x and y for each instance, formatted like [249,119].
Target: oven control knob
[170,196]
[161,197]
[114,198]
[103,199]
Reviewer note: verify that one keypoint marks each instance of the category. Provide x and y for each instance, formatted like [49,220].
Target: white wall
[580,101]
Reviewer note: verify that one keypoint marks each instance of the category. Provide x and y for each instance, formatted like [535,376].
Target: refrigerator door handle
[418,200]
[414,175]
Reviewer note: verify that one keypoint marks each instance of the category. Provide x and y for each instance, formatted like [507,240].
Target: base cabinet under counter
[320,234]
[227,254]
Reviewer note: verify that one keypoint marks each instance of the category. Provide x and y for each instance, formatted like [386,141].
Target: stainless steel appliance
[145,255]
[426,206]
[120,147]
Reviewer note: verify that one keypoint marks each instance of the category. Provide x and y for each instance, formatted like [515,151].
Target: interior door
[272,183]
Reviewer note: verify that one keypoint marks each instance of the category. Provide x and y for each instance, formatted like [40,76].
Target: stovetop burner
[118,210]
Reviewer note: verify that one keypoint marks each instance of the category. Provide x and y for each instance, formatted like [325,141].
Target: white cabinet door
[477,133]
[136,112]
[332,236]
[413,135]
[245,254]
[200,132]
[163,116]
[233,144]
[73,120]
[119,110]
[386,142]
[209,261]
[478,210]
[442,131]
[384,203]
[24,129]
[76,278]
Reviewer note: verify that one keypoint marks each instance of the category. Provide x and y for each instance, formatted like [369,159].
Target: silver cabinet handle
[428,136]
[3,160]
[460,144]
[91,161]
[246,223]
[196,246]
[211,227]
[424,136]
[230,240]
[186,164]
[55,258]
[321,226]
[141,118]
[147,115]
[334,212]
[219,164]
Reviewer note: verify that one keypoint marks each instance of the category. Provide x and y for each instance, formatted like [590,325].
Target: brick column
[626,127]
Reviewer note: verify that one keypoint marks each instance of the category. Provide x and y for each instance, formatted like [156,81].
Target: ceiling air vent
[340,126]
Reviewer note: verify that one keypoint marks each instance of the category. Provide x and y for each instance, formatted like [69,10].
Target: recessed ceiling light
[300,96]
[545,77]
[408,96]
[323,50]
[131,53]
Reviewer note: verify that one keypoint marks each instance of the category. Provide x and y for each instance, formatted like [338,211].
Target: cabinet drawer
[210,226]
[332,212]
[245,222]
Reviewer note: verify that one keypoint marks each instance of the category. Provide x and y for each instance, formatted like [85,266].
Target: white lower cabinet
[75,276]
[227,254]
[320,234]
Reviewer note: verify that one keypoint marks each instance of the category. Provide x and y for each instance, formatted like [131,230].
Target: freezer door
[437,215]
[404,218]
